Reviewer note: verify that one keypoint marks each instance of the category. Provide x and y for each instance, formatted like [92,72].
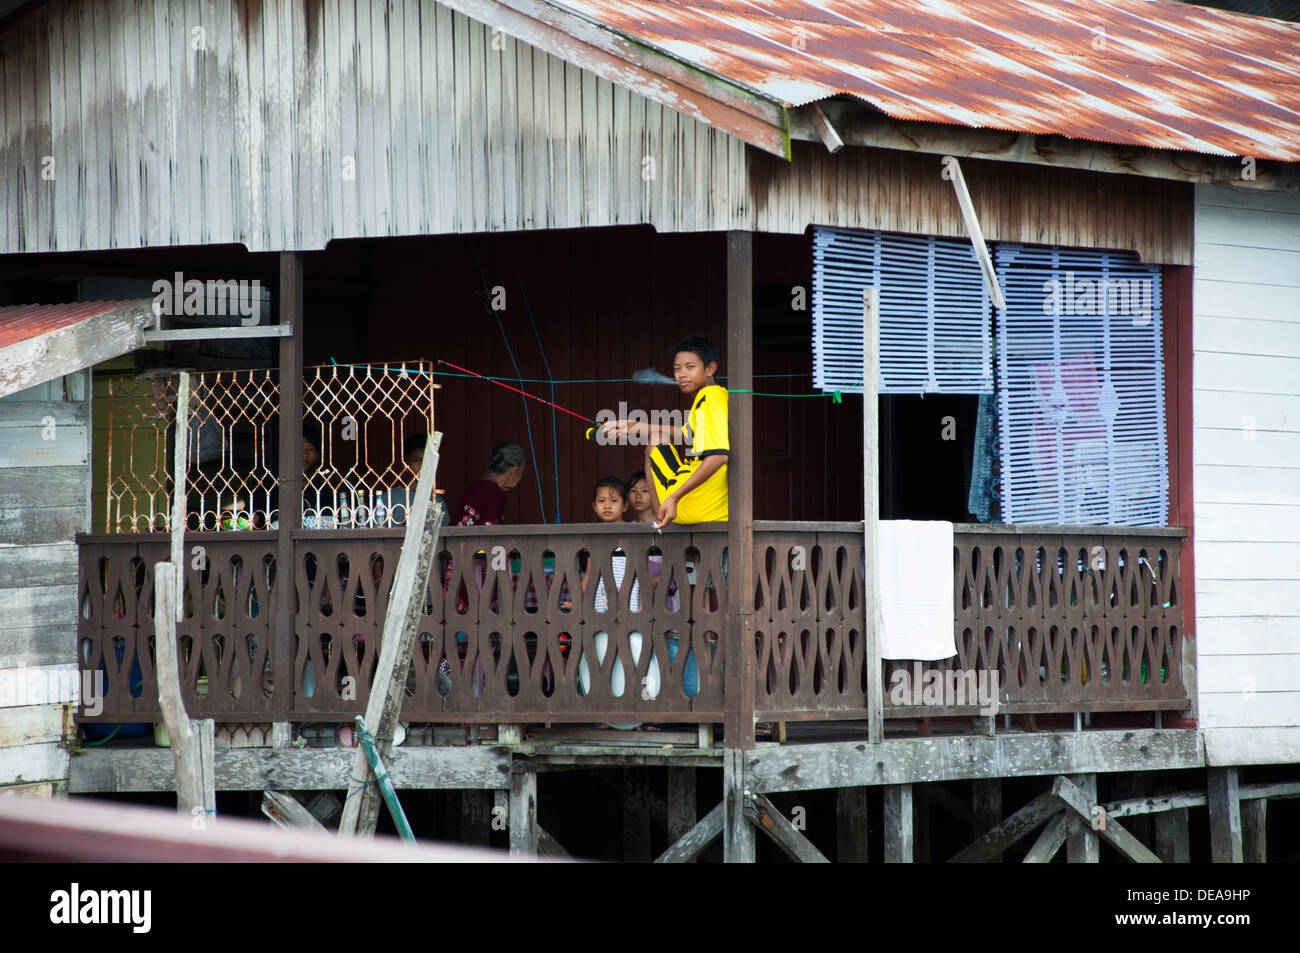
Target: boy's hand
[612,430]
[667,512]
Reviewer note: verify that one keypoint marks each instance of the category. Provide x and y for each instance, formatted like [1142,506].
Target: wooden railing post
[290,467]
[739,687]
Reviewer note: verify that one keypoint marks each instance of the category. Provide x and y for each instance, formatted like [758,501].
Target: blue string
[555,437]
[528,421]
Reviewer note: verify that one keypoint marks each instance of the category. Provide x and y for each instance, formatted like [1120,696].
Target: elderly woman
[484,503]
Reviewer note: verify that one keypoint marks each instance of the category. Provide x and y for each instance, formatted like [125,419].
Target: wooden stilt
[986,808]
[1112,832]
[1225,816]
[636,815]
[475,816]
[921,823]
[1083,846]
[851,835]
[1172,838]
[898,824]
[1254,842]
[523,814]
[681,807]
[737,832]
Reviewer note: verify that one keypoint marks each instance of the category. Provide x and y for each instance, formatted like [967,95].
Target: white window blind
[1081,400]
[934,313]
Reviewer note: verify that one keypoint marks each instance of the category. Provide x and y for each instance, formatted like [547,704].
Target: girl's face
[640,497]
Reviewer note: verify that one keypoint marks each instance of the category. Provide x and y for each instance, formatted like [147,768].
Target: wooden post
[737,832]
[184,742]
[986,808]
[871,514]
[921,823]
[681,807]
[739,663]
[523,814]
[401,625]
[475,816]
[179,463]
[1254,839]
[898,824]
[290,483]
[1083,846]
[1172,836]
[636,815]
[851,830]
[1225,816]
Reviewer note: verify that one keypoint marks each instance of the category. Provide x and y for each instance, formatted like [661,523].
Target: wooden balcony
[1071,619]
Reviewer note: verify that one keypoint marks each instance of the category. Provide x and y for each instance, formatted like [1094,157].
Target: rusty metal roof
[22,322]
[1153,73]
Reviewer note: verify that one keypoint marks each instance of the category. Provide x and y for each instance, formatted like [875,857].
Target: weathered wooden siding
[1247,470]
[300,121]
[44,501]
[304,121]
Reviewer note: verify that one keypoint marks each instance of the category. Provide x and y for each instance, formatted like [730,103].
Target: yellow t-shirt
[706,436]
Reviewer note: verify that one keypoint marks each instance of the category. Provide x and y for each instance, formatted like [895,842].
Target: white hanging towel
[916,590]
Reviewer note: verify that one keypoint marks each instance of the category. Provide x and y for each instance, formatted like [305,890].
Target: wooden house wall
[44,501]
[296,122]
[1247,472]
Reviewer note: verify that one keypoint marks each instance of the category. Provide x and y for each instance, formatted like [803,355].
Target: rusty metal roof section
[1152,73]
[22,322]
[40,342]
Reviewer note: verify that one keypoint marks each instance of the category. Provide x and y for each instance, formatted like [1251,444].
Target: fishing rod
[492,380]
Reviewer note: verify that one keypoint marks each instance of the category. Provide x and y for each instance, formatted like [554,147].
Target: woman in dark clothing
[484,503]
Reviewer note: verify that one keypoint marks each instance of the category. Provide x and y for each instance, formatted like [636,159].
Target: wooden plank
[46,564]
[1084,846]
[43,789]
[523,814]
[47,645]
[285,811]
[1225,816]
[1014,828]
[764,815]
[36,413]
[185,746]
[33,725]
[1240,709]
[1172,837]
[27,447]
[899,831]
[1049,841]
[969,757]
[39,606]
[689,845]
[100,771]
[1254,833]
[737,832]
[852,830]
[871,513]
[401,627]
[1250,674]
[52,684]
[1115,835]
[33,763]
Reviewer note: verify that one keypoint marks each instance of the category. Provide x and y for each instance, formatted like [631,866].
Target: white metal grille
[934,313]
[1081,403]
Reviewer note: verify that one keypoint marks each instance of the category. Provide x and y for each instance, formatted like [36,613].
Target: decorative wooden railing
[1069,619]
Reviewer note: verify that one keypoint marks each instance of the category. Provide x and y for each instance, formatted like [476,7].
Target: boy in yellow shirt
[688,465]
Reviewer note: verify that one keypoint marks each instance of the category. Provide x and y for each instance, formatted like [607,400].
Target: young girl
[642,506]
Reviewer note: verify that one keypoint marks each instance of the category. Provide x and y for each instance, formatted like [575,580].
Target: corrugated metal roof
[22,322]
[1131,72]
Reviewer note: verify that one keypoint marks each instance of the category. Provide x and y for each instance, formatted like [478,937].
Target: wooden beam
[852,834]
[898,833]
[522,820]
[1014,828]
[1254,833]
[289,502]
[1115,835]
[689,845]
[56,353]
[763,814]
[185,751]
[739,671]
[952,172]
[858,126]
[1225,816]
[401,628]
[1084,846]
[219,333]
[825,129]
[1049,841]
[871,513]
[1172,836]
[737,832]
[842,764]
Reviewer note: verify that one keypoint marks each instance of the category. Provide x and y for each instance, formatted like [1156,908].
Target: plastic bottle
[345,515]
[381,511]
